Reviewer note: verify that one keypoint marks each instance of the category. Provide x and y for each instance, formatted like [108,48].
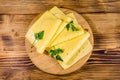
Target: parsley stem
[33,43]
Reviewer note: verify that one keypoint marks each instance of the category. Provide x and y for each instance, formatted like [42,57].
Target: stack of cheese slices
[60,31]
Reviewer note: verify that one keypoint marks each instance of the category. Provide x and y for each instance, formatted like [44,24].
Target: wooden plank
[106,30]
[14,64]
[20,59]
[88,72]
[37,6]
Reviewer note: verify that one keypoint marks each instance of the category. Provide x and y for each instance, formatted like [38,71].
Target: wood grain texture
[99,72]
[37,6]
[103,17]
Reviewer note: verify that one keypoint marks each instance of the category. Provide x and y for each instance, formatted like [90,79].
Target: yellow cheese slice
[83,51]
[47,23]
[71,15]
[70,47]
[65,20]
[57,12]
[67,35]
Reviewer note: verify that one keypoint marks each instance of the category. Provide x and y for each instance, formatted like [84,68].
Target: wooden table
[103,17]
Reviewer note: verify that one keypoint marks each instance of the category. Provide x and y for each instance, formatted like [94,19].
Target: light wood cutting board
[47,64]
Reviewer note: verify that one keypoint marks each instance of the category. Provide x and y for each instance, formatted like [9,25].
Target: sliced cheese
[83,51]
[65,20]
[47,23]
[59,14]
[67,35]
[70,47]
[71,15]
[56,11]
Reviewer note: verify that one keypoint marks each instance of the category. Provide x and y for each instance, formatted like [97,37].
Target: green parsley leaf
[54,53]
[74,28]
[68,26]
[71,24]
[39,35]
[59,50]
[59,58]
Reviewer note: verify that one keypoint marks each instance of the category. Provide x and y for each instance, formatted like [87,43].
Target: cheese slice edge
[44,23]
[83,51]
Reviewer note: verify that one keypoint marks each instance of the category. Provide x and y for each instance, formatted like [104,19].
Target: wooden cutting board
[47,64]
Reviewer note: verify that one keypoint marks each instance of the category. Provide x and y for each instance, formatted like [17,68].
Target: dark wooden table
[103,17]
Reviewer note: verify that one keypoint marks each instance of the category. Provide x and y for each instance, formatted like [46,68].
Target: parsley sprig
[38,36]
[55,53]
[71,25]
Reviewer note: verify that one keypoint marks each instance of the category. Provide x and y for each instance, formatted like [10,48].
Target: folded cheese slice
[83,51]
[56,11]
[59,14]
[70,47]
[62,33]
[47,23]
[65,20]
[71,15]
[67,35]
